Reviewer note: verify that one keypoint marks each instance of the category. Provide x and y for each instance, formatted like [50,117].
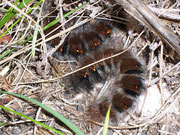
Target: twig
[165,14]
[142,13]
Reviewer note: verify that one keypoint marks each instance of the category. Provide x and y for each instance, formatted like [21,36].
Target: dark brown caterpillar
[127,75]
[86,38]
[93,42]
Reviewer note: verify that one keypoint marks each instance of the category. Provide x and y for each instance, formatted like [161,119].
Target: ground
[21,72]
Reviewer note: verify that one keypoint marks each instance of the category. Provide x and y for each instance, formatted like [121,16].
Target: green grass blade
[67,14]
[10,10]
[106,121]
[3,124]
[36,31]
[44,28]
[48,109]
[11,14]
[21,18]
[31,119]
[6,53]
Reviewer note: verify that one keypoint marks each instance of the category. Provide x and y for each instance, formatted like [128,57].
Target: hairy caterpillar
[95,41]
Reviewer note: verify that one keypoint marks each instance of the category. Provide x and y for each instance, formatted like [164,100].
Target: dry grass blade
[163,13]
[141,12]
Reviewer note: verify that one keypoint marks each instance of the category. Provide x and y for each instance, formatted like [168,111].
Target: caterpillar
[87,37]
[95,41]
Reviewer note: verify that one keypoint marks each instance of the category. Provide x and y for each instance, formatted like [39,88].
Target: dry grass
[37,79]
